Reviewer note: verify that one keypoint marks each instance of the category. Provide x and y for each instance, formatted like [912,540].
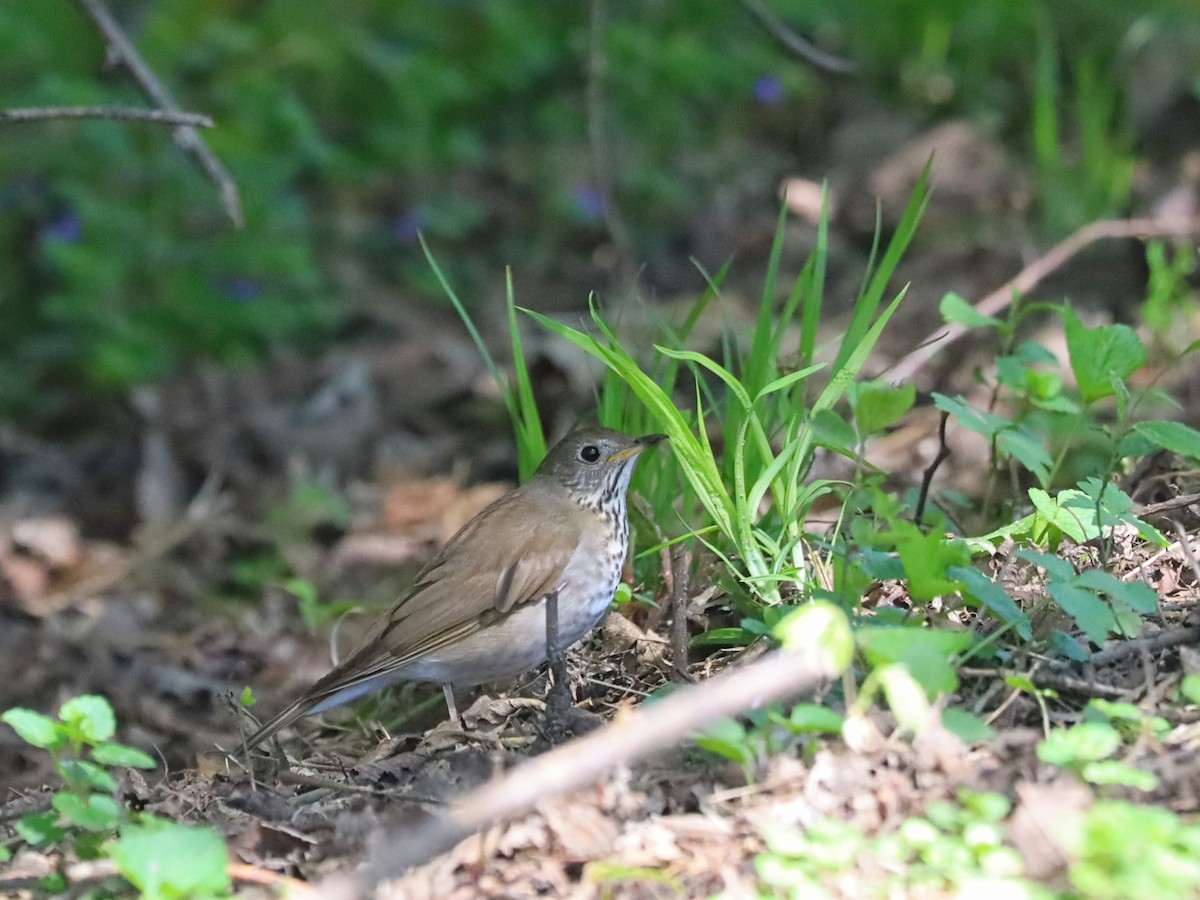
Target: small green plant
[1169,296]
[1085,750]
[956,847]
[164,860]
[313,611]
[769,413]
[80,742]
[1088,174]
[1123,849]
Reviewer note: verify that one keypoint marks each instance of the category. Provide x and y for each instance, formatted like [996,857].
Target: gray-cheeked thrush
[527,577]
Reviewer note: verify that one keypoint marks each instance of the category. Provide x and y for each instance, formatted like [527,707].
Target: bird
[528,576]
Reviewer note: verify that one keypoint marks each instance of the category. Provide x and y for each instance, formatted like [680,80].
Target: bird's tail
[334,689]
[297,709]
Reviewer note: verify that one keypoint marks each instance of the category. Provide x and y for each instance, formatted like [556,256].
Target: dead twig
[1185,547]
[1025,280]
[121,51]
[927,479]
[1142,510]
[796,43]
[1163,641]
[116,113]
[633,736]
[1054,682]
[681,565]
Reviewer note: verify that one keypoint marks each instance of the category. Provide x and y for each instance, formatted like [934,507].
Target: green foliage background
[351,124]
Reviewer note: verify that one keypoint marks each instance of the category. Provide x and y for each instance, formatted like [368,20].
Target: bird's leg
[448,693]
[559,698]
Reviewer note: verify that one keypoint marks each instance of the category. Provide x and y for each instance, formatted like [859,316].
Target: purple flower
[66,229]
[768,90]
[242,288]
[408,225]
[589,201]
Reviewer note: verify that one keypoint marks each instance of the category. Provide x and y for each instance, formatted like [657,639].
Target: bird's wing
[497,562]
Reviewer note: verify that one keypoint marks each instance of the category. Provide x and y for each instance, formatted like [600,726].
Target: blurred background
[592,147]
[221,430]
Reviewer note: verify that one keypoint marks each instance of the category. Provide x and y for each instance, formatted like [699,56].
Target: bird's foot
[565,723]
[565,720]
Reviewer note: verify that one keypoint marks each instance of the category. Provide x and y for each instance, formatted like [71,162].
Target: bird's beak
[639,444]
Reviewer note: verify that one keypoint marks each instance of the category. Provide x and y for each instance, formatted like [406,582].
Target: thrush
[527,577]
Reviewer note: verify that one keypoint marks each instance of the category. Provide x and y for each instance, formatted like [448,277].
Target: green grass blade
[868,303]
[810,315]
[531,439]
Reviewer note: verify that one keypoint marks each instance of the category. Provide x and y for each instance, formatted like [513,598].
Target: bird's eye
[590,453]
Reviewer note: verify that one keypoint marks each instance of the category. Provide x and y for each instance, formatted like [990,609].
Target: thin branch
[1032,274]
[597,68]
[1154,643]
[1142,510]
[117,113]
[927,480]
[121,51]
[681,564]
[1065,683]
[795,43]
[630,737]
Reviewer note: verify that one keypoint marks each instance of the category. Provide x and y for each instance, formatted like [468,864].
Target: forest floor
[152,566]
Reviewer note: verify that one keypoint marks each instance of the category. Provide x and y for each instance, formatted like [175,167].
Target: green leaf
[111,754]
[726,738]
[90,717]
[1067,646]
[247,698]
[721,637]
[1190,687]
[905,696]
[832,431]
[966,726]
[877,404]
[98,812]
[1173,436]
[956,310]
[37,828]
[818,626]
[81,775]
[1135,594]
[809,717]
[33,728]
[982,590]
[1055,566]
[977,420]
[926,559]
[1091,614]
[987,805]
[1085,742]
[169,860]
[1025,449]
[924,651]
[1098,355]
[1113,771]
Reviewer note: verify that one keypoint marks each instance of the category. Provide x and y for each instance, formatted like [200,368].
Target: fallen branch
[1065,683]
[116,113]
[1152,644]
[1029,277]
[121,51]
[632,736]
